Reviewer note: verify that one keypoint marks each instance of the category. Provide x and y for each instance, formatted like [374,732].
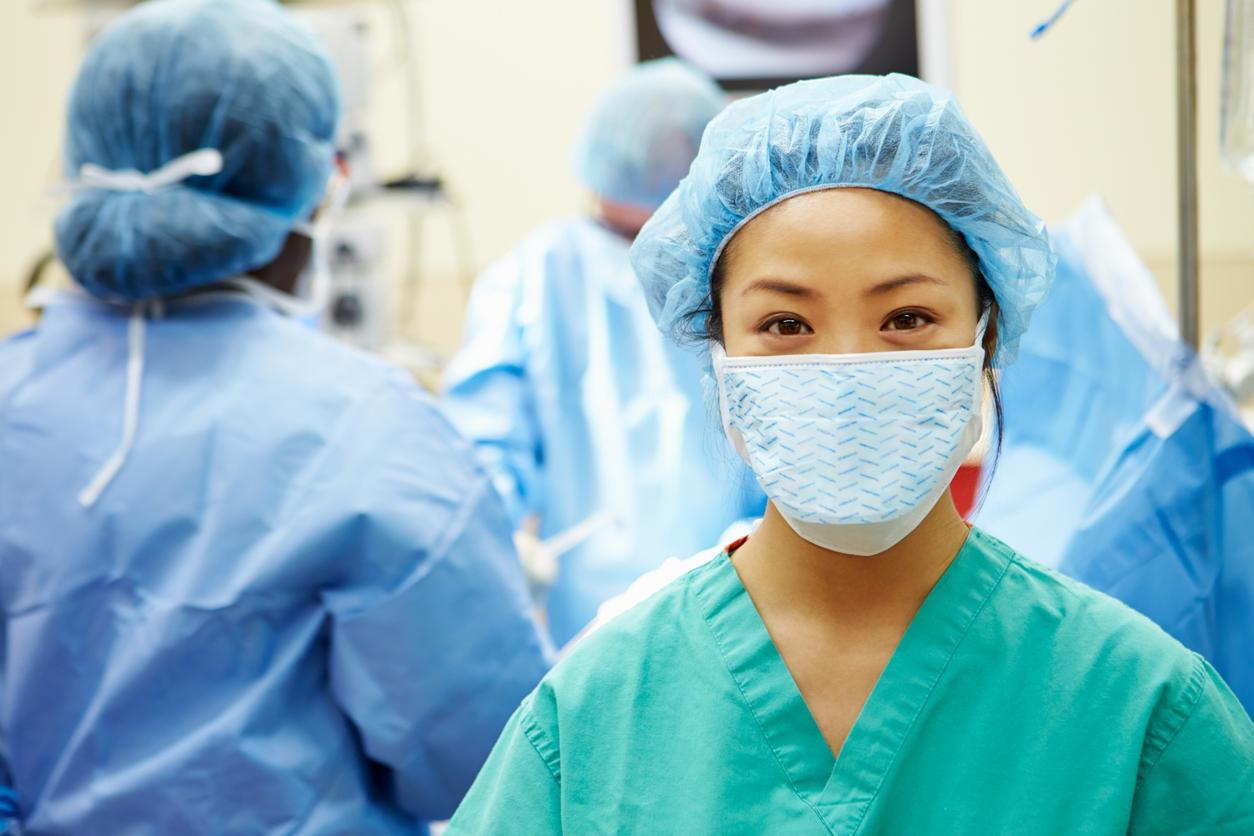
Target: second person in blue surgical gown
[251,581]
[578,406]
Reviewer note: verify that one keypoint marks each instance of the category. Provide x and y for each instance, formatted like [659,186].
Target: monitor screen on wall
[757,44]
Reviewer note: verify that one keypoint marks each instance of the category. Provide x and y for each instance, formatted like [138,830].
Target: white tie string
[130,420]
[204,162]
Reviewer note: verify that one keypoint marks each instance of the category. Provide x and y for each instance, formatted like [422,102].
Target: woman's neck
[786,573]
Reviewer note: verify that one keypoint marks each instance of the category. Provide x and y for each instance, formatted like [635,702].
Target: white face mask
[854,450]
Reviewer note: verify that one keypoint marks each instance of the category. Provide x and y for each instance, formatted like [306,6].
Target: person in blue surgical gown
[250,580]
[1066,412]
[1141,466]
[589,420]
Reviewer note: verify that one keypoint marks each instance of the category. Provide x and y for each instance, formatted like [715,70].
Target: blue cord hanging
[1048,22]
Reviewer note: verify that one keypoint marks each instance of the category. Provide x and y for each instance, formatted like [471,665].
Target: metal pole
[1186,169]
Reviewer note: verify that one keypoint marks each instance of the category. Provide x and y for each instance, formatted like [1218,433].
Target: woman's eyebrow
[781,286]
[901,281]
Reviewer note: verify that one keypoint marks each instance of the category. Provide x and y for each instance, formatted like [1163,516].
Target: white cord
[202,163]
[561,543]
[130,420]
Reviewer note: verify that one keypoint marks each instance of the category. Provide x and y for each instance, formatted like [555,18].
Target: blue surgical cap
[893,133]
[169,78]
[644,131]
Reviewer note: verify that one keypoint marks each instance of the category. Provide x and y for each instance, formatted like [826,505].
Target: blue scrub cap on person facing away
[893,133]
[644,132]
[237,78]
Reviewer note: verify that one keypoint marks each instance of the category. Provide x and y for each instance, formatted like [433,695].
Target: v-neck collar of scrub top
[842,790]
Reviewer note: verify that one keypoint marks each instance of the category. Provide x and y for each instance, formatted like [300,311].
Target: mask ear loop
[718,359]
[979,389]
[981,328]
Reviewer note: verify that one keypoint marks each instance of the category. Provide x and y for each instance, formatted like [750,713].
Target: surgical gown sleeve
[519,790]
[8,798]
[486,392]
[1197,773]
[15,368]
[432,642]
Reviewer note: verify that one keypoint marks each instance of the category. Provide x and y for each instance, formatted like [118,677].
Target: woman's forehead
[845,232]
[845,212]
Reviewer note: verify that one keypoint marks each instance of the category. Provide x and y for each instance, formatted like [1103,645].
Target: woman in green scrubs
[864,662]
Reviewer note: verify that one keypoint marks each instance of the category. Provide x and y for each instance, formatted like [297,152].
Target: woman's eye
[907,321]
[788,328]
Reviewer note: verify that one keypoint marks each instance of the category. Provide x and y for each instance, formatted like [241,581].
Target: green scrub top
[1018,701]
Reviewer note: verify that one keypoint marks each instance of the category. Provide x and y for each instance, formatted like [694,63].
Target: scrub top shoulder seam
[723,656]
[531,730]
[1177,719]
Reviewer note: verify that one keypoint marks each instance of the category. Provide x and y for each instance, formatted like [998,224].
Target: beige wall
[1091,108]
[1087,109]
[38,54]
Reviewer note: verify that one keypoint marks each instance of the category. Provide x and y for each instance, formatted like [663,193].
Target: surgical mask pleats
[854,450]
[850,443]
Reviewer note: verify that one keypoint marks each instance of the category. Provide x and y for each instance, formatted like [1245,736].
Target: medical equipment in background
[1186,172]
[748,38]
[540,558]
[1123,464]
[773,39]
[1186,155]
[1229,357]
[357,310]
[1228,353]
[1236,114]
[1065,409]
[1234,368]
[360,310]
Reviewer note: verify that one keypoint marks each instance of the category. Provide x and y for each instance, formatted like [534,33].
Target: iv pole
[1186,170]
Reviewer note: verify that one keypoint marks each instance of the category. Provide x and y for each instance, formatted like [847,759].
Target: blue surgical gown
[296,608]
[1124,466]
[578,405]
[1169,530]
[1076,391]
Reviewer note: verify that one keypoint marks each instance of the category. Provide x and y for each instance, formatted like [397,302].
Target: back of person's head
[644,132]
[239,81]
